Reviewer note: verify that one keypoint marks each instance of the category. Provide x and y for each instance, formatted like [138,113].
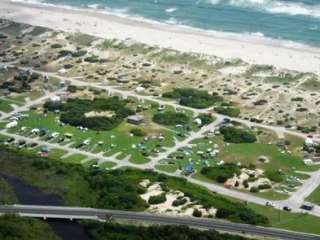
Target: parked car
[286,208]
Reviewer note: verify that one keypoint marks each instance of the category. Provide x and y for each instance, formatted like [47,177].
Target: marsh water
[65,229]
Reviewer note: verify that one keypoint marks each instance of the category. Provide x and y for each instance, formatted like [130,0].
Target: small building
[135,119]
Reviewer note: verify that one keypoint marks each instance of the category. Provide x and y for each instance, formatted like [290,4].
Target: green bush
[56,45]
[264,186]
[73,112]
[197,213]
[205,119]
[237,135]
[18,228]
[274,176]
[137,132]
[254,189]
[153,200]
[179,202]
[193,97]
[114,231]
[171,118]
[228,111]
[221,173]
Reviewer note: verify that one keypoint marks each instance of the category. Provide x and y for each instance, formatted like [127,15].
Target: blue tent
[189,168]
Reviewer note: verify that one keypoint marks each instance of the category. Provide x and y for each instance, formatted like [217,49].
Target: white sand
[168,36]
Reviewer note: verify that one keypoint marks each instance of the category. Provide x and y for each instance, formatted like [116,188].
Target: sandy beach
[166,36]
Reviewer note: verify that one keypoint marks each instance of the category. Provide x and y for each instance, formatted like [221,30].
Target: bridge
[75,213]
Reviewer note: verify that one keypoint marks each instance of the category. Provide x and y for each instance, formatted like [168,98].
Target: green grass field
[315,196]
[249,154]
[108,142]
[291,221]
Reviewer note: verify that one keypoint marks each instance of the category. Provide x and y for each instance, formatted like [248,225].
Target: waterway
[65,229]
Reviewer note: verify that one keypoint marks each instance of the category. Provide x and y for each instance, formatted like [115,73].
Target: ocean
[291,22]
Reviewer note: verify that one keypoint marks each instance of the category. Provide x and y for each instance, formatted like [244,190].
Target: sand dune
[167,36]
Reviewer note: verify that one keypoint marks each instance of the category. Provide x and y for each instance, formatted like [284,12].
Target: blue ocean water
[290,20]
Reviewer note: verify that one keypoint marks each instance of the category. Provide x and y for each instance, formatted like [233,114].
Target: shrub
[193,97]
[179,202]
[221,173]
[73,112]
[56,45]
[228,111]
[223,213]
[92,59]
[274,176]
[137,132]
[264,186]
[197,213]
[205,119]
[237,135]
[153,200]
[171,118]
[254,189]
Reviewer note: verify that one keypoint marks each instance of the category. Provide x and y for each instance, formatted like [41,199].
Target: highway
[141,217]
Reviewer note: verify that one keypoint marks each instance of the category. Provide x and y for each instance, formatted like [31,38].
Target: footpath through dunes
[165,36]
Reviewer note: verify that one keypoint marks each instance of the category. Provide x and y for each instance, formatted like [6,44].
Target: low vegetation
[76,112]
[17,228]
[233,134]
[100,231]
[221,173]
[228,111]
[116,189]
[171,118]
[194,98]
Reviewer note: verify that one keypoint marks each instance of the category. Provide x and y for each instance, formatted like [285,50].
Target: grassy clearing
[74,158]
[56,153]
[315,196]
[5,106]
[249,154]
[107,165]
[113,141]
[290,221]
[311,85]
[170,168]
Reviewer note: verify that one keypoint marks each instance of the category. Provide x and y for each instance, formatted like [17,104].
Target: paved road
[101,214]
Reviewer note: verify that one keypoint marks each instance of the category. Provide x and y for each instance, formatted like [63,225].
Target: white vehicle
[270,204]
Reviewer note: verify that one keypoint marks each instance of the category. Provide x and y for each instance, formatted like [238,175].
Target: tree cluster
[100,231]
[171,118]
[74,110]
[221,173]
[233,134]
[193,97]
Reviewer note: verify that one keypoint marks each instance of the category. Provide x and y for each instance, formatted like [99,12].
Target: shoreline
[185,39]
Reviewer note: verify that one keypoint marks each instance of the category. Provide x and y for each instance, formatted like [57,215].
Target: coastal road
[141,217]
